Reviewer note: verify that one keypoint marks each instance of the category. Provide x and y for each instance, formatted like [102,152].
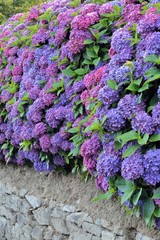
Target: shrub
[80,85]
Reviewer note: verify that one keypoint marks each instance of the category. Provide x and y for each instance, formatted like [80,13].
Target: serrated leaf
[136,197]
[112,84]
[156,194]
[130,151]
[148,209]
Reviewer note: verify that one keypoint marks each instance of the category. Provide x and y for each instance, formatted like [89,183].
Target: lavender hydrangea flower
[152,166]
[59,160]
[143,122]
[156,114]
[39,129]
[43,166]
[133,167]
[128,105]
[108,165]
[45,142]
[115,120]
[108,95]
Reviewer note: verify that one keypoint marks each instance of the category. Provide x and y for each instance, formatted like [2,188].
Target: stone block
[57,212]
[121,238]
[37,233]
[96,238]
[69,208]
[92,228]
[106,235]
[80,235]
[62,226]
[42,215]
[35,202]
[13,202]
[78,217]
[48,233]
[23,192]
[3,222]
[139,236]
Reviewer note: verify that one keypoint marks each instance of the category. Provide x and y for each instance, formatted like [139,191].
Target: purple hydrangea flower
[108,165]
[59,160]
[102,183]
[152,166]
[108,95]
[143,122]
[156,114]
[128,106]
[133,167]
[39,129]
[45,142]
[43,166]
[115,120]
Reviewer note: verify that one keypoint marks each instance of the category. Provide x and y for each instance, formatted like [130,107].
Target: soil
[71,189]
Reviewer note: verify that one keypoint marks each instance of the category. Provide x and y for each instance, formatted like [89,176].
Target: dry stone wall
[26,217]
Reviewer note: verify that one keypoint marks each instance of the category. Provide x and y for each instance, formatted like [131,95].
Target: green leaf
[128,136]
[105,196]
[157,212]
[90,53]
[20,108]
[96,49]
[144,87]
[25,97]
[12,101]
[126,195]
[96,61]
[137,196]
[132,87]
[152,58]
[112,84]
[156,194]
[143,141]
[130,151]
[80,71]
[148,209]
[68,72]
[154,138]
[73,130]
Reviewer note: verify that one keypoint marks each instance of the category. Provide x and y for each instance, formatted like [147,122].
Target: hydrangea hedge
[79,91]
